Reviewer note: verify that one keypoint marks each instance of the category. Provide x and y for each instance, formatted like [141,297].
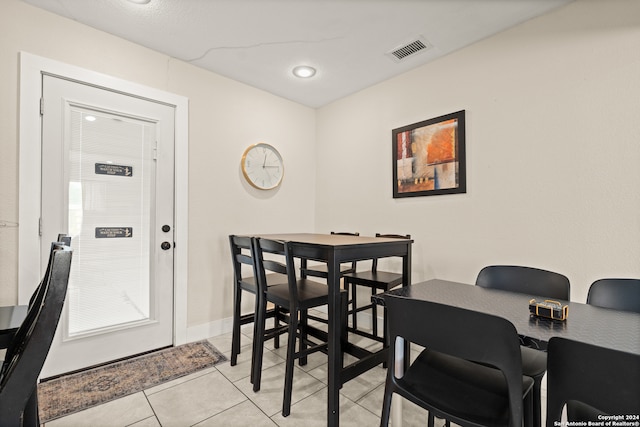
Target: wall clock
[262,166]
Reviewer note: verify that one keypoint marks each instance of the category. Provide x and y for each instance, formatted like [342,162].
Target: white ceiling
[258,42]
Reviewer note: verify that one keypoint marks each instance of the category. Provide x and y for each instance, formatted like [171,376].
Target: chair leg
[374,315]
[386,405]
[235,336]
[528,409]
[430,420]
[276,324]
[347,286]
[288,376]
[258,343]
[302,326]
[354,306]
[537,404]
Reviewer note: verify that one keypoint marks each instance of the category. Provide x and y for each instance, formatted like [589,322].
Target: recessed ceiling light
[304,71]
[90,118]
[139,1]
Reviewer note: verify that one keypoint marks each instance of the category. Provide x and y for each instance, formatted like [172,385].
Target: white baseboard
[209,330]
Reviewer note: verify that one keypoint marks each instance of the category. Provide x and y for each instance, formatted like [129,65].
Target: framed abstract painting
[429,157]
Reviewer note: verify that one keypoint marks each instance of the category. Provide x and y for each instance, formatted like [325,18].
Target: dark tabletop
[599,326]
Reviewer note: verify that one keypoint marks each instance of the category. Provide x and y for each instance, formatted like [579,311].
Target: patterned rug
[72,393]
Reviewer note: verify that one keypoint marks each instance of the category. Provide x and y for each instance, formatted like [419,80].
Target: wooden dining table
[614,329]
[333,250]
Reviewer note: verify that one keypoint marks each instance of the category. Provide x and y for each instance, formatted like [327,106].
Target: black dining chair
[377,281]
[28,350]
[618,294]
[591,381]
[242,254]
[38,293]
[470,372]
[298,295]
[534,282]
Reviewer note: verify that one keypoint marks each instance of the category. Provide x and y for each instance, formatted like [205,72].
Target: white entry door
[108,182]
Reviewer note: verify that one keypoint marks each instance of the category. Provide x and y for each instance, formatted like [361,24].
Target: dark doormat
[75,392]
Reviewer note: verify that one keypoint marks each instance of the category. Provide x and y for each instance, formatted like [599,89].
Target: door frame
[31,69]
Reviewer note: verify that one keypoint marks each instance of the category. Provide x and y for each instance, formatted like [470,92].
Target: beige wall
[225,117]
[553,151]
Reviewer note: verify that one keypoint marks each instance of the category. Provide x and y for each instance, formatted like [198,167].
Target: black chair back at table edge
[618,294]
[38,293]
[530,281]
[525,280]
[471,354]
[28,350]
[591,381]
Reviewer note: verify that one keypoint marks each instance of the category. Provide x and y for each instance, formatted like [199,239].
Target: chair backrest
[284,264]
[524,280]
[63,239]
[374,264]
[606,379]
[29,348]
[345,233]
[241,253]
[462,333]
[619,294]
[37,296]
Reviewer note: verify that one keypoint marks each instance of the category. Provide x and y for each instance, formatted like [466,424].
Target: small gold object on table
[549,309]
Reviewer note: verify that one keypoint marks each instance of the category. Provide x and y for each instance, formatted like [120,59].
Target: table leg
[334,345]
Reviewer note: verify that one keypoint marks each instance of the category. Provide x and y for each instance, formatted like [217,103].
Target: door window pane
[111,175]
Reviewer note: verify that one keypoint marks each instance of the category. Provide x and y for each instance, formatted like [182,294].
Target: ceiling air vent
[409,49]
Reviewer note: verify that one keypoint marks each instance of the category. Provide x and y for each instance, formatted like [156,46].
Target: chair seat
[534,362]
[477,392]
[249,283]
[384,280]
[310,294]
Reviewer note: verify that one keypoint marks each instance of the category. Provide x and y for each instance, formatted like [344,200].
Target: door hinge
[155,151]
[40,227]
[42,106]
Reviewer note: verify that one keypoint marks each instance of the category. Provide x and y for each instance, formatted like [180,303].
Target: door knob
[165,245]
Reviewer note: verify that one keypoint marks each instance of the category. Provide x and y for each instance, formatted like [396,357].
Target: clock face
[262,166]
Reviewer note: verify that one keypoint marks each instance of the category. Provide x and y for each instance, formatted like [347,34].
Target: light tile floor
[222,396]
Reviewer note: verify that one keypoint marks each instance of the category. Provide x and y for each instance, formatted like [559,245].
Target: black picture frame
[429,157]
